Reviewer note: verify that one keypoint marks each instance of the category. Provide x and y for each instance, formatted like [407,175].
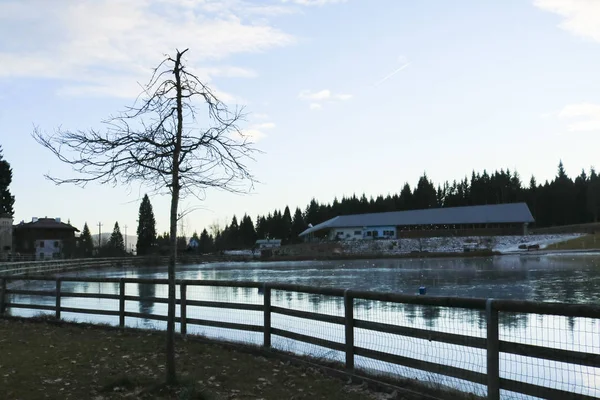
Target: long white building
[496,219]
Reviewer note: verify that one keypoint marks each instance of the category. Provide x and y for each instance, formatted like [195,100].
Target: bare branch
[138,144]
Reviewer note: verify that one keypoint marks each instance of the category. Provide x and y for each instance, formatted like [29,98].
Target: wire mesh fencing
[329,333]
[539,350]
[566,339]
[418,344]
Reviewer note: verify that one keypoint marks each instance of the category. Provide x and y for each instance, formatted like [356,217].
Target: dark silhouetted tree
[116,245]
[159,142]
[146,230]
[206,242]
[7,200]
[86,243]
[298,225]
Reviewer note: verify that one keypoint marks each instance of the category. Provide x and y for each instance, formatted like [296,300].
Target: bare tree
[158,142]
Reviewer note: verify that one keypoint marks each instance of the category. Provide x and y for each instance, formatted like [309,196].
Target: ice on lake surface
[562,278]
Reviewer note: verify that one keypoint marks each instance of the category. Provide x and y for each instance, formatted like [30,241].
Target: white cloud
[583,117]
[95,46]
[580,17]
[260,116]
[325,95]
[257,132]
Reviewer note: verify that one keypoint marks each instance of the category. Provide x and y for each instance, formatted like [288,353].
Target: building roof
[487,214]
[268,241]
[45,223]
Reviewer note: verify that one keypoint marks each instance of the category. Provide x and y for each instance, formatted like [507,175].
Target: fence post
[493,351]
[182,307]
[349,324]
[122,303]
[58,287]
[2,296]
[267,316]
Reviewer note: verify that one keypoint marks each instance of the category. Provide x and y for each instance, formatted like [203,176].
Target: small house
[267,244]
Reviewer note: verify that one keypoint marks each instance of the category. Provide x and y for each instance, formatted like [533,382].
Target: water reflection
[542,278]
[146,292]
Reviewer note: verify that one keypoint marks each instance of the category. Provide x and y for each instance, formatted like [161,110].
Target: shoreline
[342,257]
[380,256]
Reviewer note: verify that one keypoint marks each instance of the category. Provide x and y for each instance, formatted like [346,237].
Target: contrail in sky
[392,74]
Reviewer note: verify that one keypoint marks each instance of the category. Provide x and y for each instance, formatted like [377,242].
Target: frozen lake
[571,278]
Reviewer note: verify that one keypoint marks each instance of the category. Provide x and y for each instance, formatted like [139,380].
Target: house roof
[487,214]
[46,223]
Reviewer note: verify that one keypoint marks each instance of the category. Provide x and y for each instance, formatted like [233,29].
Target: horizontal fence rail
[32,267]
[348,320]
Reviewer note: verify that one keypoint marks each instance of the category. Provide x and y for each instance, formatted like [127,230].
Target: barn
[483,220]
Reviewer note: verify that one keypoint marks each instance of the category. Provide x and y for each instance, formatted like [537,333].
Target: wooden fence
[491,344]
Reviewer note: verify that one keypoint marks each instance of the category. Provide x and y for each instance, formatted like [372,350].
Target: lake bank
[431,247]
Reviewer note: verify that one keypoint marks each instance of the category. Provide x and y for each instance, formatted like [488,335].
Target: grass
[51,360]
[586,242]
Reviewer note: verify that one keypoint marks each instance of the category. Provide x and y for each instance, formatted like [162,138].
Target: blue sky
[481,85]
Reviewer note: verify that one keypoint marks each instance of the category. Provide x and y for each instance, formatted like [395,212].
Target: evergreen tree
[86,244]
[116,245]
[247,232]
[405,201]
[298,225]
[286,225]
[563,198]
[234,234]
[593,196]
[146,230]
[206,242]
[425,195]
[7,200]
[262,228]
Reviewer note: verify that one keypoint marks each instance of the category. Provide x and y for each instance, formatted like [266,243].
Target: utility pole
[126,239]
[99,234]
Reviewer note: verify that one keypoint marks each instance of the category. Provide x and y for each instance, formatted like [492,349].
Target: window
[369,233]
[357,233]
[56,244]
[41,243]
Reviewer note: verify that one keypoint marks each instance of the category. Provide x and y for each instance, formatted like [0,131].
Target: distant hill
[131,239]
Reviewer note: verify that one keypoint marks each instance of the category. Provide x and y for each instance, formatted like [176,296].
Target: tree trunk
[171,373]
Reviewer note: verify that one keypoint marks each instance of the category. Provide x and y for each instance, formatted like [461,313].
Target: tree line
[561,201]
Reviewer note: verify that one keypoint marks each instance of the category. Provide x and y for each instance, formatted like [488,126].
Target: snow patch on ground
[508,244]
[238,252]
[503,244]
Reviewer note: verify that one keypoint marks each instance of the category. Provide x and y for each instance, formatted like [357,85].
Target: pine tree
[116,245]
[233,237]
[247,232]
[593,196]
[286,225]
[146,230]
[298,225]
[425,195]
[206,242]
[86,243]
[406,199]
[7,200]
